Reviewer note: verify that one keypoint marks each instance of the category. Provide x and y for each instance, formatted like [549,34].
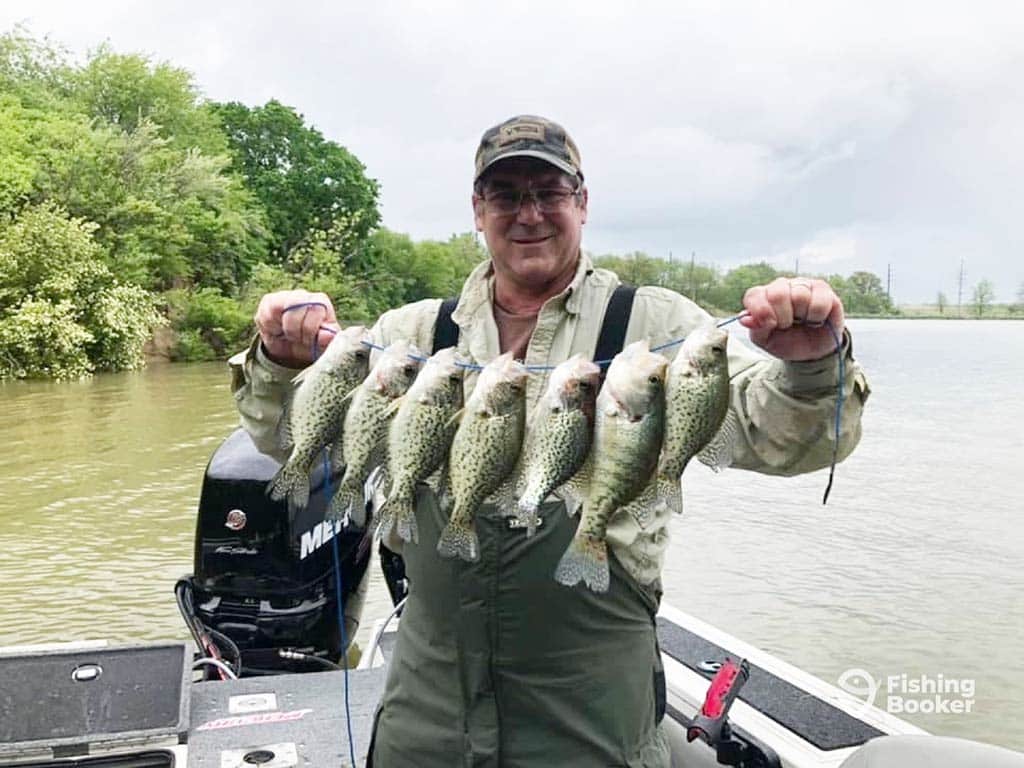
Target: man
[497,664]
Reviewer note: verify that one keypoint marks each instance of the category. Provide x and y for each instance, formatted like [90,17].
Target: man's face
[531,247]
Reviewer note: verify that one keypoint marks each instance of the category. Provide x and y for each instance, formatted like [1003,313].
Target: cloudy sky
[852,135]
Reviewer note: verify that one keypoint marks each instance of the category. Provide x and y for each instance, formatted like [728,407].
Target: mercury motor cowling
[263,590]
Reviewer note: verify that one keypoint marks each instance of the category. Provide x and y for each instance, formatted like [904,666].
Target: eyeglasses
[508,201]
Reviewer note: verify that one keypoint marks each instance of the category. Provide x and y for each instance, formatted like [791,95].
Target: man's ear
[478,212]
[583,205]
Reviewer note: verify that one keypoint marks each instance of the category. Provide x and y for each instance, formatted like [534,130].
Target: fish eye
[455,377]
[718,348]
[362,354]
[410,370]
[586,385]
[654,379]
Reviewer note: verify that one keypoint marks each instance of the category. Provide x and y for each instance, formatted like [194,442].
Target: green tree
[728,295]
[981,296]
[125,90]
[62,312]
[303,180]
[863,293]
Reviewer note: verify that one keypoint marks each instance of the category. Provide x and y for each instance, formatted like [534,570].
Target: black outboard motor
[264,583]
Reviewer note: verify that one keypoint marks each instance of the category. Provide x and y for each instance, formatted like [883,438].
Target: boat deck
[298,718]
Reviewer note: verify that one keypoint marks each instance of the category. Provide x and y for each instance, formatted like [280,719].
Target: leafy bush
[208,323]
[42,339]
[51,275]
[191,347]
[121,319]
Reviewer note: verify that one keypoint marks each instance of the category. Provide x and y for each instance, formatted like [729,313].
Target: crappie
[365,434]
[560,430]
[484,451]
[696,402]
[315,415]
[418,438]
[696,398]
[628,431]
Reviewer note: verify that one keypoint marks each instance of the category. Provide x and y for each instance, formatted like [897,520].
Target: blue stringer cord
[337,578]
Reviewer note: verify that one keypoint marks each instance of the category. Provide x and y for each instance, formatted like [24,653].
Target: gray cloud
[848,135]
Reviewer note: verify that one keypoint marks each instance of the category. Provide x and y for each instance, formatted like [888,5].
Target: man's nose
[529,213]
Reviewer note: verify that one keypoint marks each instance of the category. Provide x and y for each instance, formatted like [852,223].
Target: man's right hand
[287,335]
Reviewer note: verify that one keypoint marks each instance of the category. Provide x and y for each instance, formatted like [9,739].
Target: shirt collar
[476,291]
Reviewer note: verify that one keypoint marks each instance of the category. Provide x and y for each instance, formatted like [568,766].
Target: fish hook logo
[236,520]
[860,683]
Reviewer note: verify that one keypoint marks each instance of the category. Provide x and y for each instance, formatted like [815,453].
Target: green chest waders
[497,664]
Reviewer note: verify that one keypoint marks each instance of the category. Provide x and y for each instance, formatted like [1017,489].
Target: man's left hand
[788,317]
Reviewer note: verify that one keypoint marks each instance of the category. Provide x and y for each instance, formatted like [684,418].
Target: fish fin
[455,418]
[574,490]
[504,498]
[586,560]
[405,523]
[445,496]
[291,482]
[302,375]
[641,508]
[393,407]
[397,512]
[347,503]
[337,451]
[718,453]
[373,495]
[526,515]
[458,539]
[670,492]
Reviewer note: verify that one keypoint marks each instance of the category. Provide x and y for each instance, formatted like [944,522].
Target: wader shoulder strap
[446,332]
[616,320]
[609,342]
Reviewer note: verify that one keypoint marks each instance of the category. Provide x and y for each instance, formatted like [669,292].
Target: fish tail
[291,482]
[347,502]
[586,560]
[397,513]
[458,539]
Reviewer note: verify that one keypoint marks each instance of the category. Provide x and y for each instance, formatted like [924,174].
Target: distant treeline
[129,202]
[862,292]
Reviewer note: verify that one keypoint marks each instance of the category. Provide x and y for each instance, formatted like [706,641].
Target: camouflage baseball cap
[528,136]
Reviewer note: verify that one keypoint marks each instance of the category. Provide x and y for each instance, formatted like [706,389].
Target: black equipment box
[70,703]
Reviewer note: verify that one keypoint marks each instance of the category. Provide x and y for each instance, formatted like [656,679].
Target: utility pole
[960,289]
[693,280]
[796,267]
[888,283]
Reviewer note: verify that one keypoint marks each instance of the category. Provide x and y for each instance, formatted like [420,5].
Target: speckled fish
[365,434]
[418,438]
[628,430]
[561,426]
[484,451]
[314,418]
[696,403]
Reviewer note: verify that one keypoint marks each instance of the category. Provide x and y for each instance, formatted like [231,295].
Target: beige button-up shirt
[785,410]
